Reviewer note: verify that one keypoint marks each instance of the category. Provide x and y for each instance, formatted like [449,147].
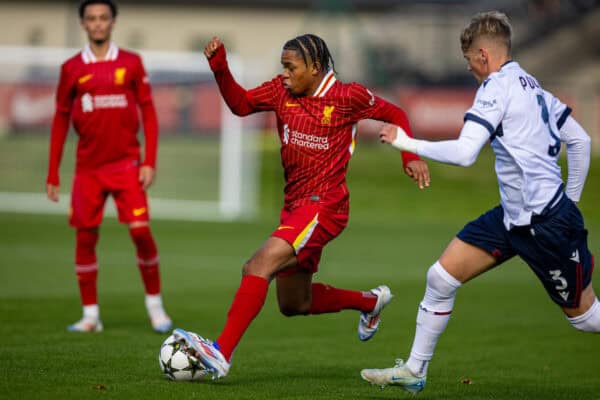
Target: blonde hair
[492,24]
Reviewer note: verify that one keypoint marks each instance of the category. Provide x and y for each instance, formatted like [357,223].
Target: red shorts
[91,188]
[308,229]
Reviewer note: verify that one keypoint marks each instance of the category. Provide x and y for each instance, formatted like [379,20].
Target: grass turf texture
[505,337]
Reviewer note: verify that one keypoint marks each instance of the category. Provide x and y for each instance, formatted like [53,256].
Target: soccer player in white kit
[536,219]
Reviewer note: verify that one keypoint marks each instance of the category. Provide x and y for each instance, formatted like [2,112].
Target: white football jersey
[523,120]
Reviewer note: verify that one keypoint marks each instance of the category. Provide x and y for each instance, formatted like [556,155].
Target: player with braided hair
[316,120]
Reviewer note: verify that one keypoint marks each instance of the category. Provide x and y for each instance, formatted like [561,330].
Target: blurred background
[214,167]
[405,51]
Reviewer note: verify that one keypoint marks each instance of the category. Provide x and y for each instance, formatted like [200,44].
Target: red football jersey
[102,99]
[318,133]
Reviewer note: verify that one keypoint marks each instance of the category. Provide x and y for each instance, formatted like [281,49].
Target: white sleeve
[578,156]
[556,107]
[462,151]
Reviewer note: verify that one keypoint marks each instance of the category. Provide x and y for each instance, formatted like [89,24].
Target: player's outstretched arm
[462,151]
[234,95]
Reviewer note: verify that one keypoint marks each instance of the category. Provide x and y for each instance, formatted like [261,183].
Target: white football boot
[205,350]
[86,325]
[368,324]
[398,375]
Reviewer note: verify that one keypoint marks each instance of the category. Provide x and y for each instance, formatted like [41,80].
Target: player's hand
[419,172]
[388,133]
[211,47]
[146,176]
[52,192]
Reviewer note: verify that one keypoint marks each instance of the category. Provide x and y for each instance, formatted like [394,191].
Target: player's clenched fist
[211,47]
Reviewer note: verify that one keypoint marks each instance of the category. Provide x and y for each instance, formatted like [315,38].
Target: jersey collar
[326,84]
[88,56]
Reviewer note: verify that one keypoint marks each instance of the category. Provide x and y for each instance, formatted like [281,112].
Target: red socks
[246,305]
[86,267]
[327,299]
[147,258]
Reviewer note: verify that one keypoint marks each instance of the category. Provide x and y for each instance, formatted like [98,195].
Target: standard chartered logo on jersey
[90,103]
[304,139]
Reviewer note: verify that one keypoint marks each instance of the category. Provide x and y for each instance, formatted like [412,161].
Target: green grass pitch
[506,340]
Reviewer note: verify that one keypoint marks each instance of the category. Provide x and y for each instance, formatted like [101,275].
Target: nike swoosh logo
[139,211]
[288,104]
[85,78]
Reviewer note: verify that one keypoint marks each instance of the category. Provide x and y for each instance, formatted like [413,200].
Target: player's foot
[398,375]
[161,323]
[86,325]
[369,322]
[205,351]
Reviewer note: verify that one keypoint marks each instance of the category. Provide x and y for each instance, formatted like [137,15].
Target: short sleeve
[266,96]
[489,105]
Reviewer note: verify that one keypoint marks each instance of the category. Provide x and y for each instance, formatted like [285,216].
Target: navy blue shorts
[554,246]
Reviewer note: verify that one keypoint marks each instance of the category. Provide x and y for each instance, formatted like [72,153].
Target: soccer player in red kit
[316,120]
[100,90]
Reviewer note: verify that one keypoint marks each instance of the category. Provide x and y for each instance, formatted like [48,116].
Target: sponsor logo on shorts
[139,211]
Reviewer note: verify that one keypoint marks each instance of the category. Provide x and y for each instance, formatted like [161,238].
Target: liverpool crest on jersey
[120,76]
[327,111]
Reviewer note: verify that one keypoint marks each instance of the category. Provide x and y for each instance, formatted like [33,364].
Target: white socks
[154,305]
[588,321]
[91,313]
[432,317]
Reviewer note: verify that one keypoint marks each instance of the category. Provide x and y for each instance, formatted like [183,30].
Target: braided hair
[312,48]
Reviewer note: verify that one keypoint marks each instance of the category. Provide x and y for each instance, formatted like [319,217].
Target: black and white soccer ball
[176,364]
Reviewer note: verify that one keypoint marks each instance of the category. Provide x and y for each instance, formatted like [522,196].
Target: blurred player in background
[100,90]
[535,219]
[316,120]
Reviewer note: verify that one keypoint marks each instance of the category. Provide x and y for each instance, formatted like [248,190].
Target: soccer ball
[178,365]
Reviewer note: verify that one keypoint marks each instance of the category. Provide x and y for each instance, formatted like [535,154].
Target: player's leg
[555,247]
[87,203]
[586,317]
[275,255]
[132,206]
[308,229]
[481,245]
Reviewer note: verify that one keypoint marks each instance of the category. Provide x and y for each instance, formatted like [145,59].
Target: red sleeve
[60,125]
[234,95]
[143,94]
[368,106]
[150,122]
